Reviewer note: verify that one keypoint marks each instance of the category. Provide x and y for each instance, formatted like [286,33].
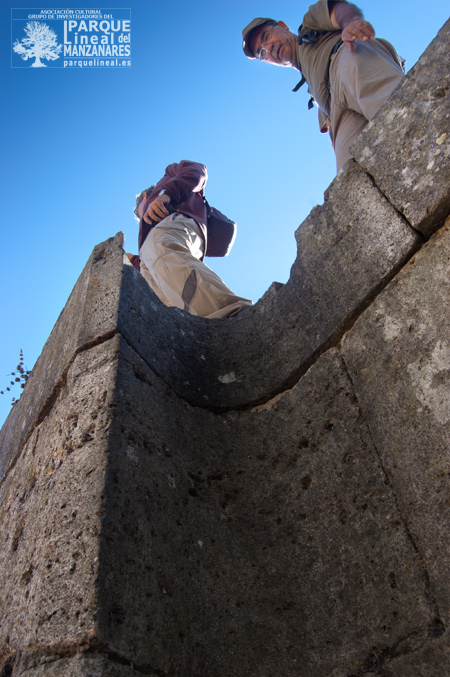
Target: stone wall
[268,495]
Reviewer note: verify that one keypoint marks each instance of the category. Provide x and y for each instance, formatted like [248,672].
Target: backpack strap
[299,84]
[307,38]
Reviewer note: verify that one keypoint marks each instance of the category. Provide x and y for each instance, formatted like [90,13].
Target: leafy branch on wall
[20,377]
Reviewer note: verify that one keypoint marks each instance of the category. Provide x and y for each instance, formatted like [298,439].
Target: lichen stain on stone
[228,378]
[392,328]
[431,379]
[407,180]
[441,139]
[366,153]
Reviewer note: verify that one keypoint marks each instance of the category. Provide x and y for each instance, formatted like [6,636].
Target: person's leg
[360,83]
[146,274]
[210,297]
[346,125]
[172,252]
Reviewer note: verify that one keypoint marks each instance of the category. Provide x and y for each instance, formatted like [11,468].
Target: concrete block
[398,356]
[406,148]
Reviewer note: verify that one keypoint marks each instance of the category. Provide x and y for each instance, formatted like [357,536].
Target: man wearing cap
[172,235]
[349,72]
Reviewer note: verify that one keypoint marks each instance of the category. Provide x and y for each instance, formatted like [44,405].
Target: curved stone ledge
[347,250]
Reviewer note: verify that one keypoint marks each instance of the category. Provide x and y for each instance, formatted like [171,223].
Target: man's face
[274,44]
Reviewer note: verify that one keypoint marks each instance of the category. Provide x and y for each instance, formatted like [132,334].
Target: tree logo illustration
[40,43]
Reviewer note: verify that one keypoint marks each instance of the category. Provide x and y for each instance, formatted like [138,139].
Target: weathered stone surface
[253,543]
[51,512]
[406,148]
[347,249]
[90,313]
[191,544]
[83,666]
[398,355]
[431,661]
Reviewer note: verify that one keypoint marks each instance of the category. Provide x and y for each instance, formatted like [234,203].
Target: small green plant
[20,376]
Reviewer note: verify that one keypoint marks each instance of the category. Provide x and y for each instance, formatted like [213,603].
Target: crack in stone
[38,656]
[378,659]
[431,599]
[332,341]
[423,238]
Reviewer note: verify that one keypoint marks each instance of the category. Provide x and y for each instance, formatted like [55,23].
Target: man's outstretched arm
[350,20]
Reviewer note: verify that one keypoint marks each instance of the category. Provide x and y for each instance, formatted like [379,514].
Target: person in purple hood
[172,244]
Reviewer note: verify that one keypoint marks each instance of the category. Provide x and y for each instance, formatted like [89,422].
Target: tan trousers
[360,83]
[170,262]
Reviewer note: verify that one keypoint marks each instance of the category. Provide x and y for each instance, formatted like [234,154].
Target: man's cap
[247,31]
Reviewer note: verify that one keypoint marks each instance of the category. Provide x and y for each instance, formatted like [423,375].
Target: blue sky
[78,144]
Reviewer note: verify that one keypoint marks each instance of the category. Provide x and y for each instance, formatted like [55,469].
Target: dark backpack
[221,232]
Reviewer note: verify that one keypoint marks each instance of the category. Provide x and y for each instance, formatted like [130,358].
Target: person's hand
[156,210]
[357,30]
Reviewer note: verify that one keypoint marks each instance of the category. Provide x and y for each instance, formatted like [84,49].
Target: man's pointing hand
[357,30]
